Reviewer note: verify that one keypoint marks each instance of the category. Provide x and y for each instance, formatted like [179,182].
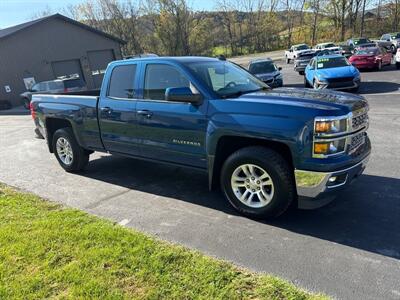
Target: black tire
[379,67]
[287,60]
[80,157]
[315,85]
[278,170]
[306,84]
[301,72]
[397,65]
[393,49]
[26,103]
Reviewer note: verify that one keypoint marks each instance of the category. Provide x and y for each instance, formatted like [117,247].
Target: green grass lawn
[48,251]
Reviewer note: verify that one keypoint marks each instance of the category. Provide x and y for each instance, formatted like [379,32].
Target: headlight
[328,127]
[330,135]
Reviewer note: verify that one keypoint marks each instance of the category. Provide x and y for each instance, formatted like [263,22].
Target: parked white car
[330,47]
[295,50]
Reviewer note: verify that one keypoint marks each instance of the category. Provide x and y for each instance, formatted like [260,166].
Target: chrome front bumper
[315,189]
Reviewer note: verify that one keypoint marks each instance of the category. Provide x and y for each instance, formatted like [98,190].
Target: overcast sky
[13,12]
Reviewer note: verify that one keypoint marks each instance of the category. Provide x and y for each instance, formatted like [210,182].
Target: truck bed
[79,109]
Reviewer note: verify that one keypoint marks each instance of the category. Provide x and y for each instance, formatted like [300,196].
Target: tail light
[33,114]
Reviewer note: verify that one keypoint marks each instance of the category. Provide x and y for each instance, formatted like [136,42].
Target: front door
[170,131]
[309,73]
[117,111]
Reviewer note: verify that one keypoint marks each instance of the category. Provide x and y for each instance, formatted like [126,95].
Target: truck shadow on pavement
[365,216]
[378,87]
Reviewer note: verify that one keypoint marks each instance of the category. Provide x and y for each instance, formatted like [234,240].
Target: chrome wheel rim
[64,151]
[252,185]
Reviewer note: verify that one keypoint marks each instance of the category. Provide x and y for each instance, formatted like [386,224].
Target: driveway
[349,249]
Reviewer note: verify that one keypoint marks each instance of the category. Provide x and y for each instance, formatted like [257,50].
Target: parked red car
[371,58]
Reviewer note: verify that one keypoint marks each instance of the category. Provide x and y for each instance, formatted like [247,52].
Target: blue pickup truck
[267,149]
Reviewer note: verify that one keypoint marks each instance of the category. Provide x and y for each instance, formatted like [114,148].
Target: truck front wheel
[258,182]
[69,154]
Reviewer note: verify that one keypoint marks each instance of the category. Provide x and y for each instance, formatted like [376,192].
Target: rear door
[171,131]
[117,110]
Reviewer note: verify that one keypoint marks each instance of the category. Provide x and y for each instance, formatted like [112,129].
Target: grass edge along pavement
[49,251]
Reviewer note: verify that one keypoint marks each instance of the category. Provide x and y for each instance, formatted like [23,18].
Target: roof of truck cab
[173,59]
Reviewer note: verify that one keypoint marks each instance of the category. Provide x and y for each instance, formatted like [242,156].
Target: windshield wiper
[240,93]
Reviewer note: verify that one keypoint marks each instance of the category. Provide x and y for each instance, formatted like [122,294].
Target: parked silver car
[61,85]
[390,41]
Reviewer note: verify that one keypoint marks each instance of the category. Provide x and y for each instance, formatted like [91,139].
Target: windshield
[367,51]
[301,47]
[361,41]
[396,36]
[262,67]
[305,56]
[225,79]
[333,62]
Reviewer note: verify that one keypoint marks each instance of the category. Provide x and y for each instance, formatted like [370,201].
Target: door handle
[106,110]
[146,113]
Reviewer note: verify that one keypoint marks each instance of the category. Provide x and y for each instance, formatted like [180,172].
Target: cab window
[159,77]
[122,82]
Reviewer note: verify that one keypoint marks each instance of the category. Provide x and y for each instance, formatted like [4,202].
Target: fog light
[332,179]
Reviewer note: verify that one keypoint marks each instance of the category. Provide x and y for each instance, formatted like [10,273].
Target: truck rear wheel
[258,182]
[69,154]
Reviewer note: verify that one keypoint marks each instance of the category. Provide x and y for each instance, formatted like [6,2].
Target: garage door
[98,61]
[67,68]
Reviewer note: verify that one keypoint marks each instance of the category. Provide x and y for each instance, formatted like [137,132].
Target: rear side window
[55,85]
[73,83]
[160,77]
[122,82]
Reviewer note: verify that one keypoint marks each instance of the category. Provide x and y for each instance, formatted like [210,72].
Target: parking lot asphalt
[349,249]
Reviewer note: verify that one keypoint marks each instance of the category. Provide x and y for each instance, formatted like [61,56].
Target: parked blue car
[332,72]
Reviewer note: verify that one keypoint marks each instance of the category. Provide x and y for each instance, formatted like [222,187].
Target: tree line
[234,27]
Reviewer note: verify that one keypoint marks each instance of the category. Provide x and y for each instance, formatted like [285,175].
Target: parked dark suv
[60,85]
[301,62]
[267,71]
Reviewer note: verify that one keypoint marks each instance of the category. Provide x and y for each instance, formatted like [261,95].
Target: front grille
[343,79]
[359,121]
[356,141]
[341,84]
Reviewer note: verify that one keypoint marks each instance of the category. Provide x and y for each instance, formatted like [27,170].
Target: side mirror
[183,94]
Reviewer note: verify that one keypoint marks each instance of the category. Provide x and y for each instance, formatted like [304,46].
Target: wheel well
[52,125]
[229,144]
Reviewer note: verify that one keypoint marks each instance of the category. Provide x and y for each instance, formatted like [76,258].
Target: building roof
[14,29]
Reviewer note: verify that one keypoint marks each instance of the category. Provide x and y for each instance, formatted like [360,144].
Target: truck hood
[318,99]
